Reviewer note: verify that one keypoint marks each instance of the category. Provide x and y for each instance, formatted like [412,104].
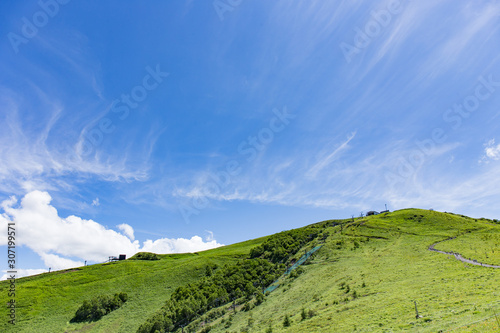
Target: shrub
[307,314]
[98,307]
[123,297]
[206,329]
[286,321]
[145,256]
[347,289]
[259,298]
[209,269]
[229,322]
[247,307]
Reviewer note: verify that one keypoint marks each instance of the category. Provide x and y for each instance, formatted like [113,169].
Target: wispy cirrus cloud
[330,157]
[32,158]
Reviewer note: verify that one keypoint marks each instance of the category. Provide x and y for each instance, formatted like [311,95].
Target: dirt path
[458,256]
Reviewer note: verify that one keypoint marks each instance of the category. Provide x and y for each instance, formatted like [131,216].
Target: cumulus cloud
[96,202]
[23,272]
[127,230]
[492,151]
[66,242]
[166,245]
[56,262]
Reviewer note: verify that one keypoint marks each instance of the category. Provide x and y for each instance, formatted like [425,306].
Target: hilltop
[365,276]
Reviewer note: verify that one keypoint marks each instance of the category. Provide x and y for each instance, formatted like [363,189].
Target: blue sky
[182,125]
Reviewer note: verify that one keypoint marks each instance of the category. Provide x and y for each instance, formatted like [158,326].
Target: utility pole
[416,311]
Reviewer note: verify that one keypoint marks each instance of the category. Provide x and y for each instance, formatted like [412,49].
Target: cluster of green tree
[281,246]
[246,278]
[98,307]
[145,256]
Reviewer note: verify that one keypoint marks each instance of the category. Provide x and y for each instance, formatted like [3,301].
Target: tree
[259,298]
[286,321]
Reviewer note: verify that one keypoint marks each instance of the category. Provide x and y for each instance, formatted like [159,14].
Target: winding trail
[458,256]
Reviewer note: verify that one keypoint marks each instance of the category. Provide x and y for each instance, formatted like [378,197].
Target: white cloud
[56,262]
[477,20]
[95,202]
[56,239]
[325,161]
[127,230]
[30,161]
[23,272]
[178,245]
[491,151]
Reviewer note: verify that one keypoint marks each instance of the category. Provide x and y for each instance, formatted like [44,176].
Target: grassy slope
[48,301]
[394,264]
[396,271]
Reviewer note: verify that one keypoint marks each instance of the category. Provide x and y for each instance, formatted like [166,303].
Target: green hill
[365,277]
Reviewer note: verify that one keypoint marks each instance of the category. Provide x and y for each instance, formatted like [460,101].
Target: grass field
[365,278]
[47,302]
[482,245]
[385,277]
